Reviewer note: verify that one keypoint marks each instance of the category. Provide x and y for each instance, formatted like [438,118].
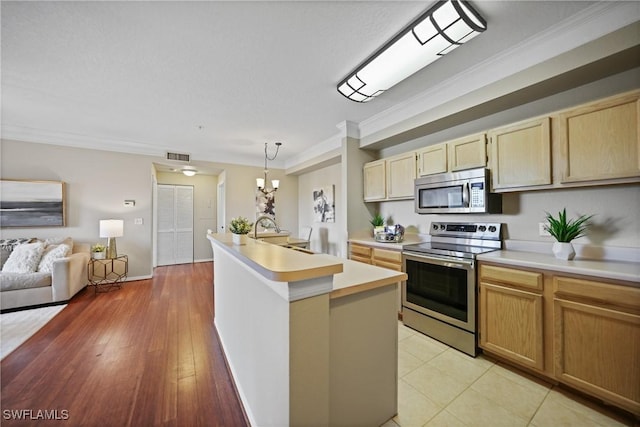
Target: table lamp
[111,228]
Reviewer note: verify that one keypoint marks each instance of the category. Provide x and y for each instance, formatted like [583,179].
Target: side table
[108,274]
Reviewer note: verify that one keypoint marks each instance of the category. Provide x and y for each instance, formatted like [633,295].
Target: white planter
[563,250]
[97,255]
[239,239]
[378,230]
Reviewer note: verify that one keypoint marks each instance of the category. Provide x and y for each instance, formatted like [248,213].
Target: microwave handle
[465,194]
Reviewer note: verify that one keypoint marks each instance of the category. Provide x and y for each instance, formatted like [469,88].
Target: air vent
[180,157]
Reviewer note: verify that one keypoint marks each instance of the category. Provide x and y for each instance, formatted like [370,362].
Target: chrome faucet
[259,219]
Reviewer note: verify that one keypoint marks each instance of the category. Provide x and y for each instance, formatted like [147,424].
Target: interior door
[221,207]
[175,224]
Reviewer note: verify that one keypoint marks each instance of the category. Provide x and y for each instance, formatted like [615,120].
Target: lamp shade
[111,228]
[275,183]
[260,182]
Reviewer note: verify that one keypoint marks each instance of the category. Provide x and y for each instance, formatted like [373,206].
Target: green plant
[566,231]
[98,248]
[240,225]
[378,220]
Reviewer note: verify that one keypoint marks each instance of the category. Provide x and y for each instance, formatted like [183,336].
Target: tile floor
[439,386]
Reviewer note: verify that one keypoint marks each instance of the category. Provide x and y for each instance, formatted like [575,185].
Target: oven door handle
[446,262]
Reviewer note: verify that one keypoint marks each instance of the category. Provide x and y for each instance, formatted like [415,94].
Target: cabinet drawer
[360,250]
[390,265]
[602,293]
[387,255]
[359,258]
[521,278]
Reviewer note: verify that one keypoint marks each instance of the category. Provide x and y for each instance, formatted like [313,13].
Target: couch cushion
[7,246]
[24,258]
[52,253]
[14,281]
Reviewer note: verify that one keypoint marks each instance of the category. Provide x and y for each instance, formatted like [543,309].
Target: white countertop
[287,265]
[615,270]
[358,277]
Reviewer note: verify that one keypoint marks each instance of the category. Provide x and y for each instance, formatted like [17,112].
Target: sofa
[41,272]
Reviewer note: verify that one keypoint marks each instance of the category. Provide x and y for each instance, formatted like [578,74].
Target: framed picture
[324,208]
[32,203]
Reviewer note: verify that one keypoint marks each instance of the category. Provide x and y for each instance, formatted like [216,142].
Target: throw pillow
[50,254]
[7,245]
[24,258]
[58,241]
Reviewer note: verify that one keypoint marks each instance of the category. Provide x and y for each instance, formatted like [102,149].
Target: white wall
[97,184]
[326,236]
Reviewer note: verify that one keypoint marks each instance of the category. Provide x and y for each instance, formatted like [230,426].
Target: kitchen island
[310,339]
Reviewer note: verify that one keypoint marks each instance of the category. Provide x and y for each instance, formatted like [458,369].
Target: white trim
[135,278]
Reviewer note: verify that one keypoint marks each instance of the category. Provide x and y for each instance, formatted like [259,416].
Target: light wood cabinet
[581,331]
[360,253]
[463,153]
[375,181]
[511,315]
[390,178]
[401,172]
[468,152]
[597,339]
[385,258]
[521,155]
[433,159]
[600,140]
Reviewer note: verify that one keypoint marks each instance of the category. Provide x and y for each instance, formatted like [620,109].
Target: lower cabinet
[511,315]
[597,339]
[386,258]
[580,331]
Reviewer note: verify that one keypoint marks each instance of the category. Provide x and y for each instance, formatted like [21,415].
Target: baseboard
[203,260]
[135,278]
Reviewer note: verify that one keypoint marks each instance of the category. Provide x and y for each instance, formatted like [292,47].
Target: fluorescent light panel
[435,33]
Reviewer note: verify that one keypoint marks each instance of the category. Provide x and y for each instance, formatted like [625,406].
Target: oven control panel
[475,230]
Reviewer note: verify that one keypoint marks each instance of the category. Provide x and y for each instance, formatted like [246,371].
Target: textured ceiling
[218,79]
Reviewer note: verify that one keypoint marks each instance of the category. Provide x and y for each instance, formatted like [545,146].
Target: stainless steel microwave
[457,192]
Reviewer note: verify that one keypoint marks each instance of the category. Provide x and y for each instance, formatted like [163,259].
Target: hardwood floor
[144,355]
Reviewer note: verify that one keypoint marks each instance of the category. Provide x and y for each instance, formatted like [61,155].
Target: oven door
[442,288]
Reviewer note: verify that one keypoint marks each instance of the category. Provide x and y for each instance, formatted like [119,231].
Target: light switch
[137,221]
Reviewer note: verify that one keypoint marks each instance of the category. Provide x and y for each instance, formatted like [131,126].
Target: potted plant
[564,231]
[98,251]
[378,222]
[240,227]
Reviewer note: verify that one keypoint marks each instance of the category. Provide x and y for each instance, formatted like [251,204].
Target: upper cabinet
[390,178]
[521,155]
[401,174]
[375,181]
[600,140]
[463,153]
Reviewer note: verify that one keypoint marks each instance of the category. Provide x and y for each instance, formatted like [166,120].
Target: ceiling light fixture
[189,171]
[261,182]
[438,31]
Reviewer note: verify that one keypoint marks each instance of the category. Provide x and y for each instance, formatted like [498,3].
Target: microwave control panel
[477,195]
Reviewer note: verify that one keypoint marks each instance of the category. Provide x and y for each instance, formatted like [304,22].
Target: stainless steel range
[439,296]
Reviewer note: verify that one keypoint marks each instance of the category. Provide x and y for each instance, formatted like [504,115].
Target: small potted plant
[240,227]
[564,231]
[378,222]
[98,251]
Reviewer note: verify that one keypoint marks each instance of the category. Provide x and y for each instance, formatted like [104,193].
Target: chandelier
[262,182]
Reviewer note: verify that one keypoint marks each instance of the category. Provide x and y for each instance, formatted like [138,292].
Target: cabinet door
[432,159]
[401,174]
[360,253]
[375,181]
[466,153]
[521,155]
[511,324]
[597,350]
[601,140]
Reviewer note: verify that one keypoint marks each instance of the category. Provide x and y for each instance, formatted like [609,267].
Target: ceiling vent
[180,157]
